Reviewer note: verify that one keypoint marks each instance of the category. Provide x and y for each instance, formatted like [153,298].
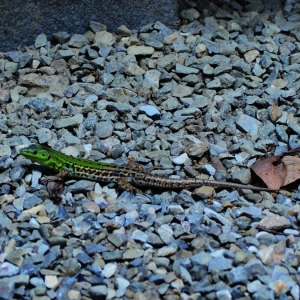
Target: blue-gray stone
[248,124]
[264,294]
[203,286]
[62,213]
[201,258]
[249,211]
[51,257]
[136,287]
[112,256]
[254,269]
[150,110]
[238,275]
[31,202]
[219,264]
[83,258]
[156,278]
[13,56]
[94,248]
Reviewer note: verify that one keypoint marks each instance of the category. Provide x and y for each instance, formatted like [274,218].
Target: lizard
[129,177]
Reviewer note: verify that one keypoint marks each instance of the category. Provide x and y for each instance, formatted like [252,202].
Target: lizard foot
[55,184]
[125,185]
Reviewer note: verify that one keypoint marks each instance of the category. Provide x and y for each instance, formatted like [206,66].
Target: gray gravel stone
[242,176]
[219,264]
[7,269]
[104,129]
[248,124]
[95,248]
[41,40]
[78,41]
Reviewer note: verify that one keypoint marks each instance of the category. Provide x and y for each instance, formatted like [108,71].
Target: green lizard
[130,177]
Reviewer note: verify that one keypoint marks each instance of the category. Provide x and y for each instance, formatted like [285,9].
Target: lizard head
[36,153]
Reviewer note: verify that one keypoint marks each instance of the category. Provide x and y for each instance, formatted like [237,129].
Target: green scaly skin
[59,162]
[128,177]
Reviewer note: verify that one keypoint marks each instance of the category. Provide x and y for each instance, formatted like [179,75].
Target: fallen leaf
[272,171]
[292,164]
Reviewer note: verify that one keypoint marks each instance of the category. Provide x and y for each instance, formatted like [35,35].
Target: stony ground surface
[210,98]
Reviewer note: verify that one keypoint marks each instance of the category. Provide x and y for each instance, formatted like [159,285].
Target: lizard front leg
[55,184]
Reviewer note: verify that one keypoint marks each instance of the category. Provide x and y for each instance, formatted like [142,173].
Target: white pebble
[36,175]
[209,169]
[5,150]
[150,110]
[252,249]
[72,151]
[223,295]
[180,160]
[109,270]
[291,231]
[217,253]
[122,285]
[51,281]
[87,148]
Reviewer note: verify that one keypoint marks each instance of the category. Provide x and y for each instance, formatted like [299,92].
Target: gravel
[211,97]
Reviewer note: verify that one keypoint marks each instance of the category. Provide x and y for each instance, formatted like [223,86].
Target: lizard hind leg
[125,185]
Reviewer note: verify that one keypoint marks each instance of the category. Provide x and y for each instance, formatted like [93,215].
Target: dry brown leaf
[272,171]
[292,164]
